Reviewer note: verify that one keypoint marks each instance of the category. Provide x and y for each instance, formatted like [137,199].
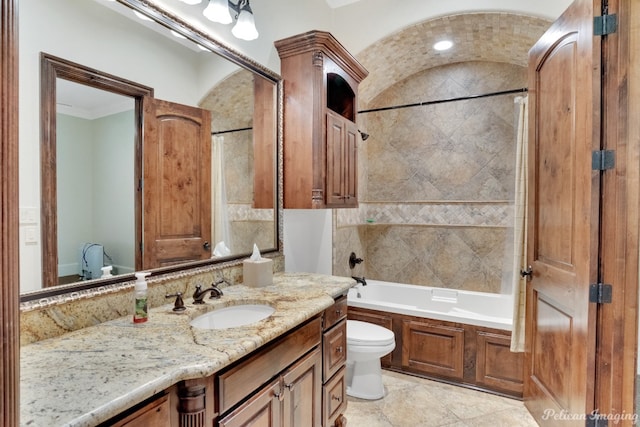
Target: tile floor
[416,402]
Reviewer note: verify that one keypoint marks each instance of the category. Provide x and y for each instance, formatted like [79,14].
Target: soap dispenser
[141,306]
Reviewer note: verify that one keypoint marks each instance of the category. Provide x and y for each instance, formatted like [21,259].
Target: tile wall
[436,181]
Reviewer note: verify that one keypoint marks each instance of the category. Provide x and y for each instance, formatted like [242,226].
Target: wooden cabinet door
[564,91]
[156,414]
[177,183]
[341,178]
[262,410]
[334,344]
[303,392]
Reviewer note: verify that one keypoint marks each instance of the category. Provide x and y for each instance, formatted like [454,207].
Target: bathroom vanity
[286,370]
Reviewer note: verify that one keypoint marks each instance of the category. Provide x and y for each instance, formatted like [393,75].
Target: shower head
[363,135]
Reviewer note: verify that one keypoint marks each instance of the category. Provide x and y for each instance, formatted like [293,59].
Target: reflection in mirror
[90,140]
[242,98]
[243,163]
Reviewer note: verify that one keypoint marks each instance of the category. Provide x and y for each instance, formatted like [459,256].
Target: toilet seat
[364,334]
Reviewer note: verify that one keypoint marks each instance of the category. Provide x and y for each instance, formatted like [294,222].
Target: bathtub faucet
[360,280]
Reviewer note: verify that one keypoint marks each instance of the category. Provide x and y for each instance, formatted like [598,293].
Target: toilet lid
[363,333]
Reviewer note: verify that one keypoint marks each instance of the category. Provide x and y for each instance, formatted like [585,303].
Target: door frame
[618,321]
[9,241]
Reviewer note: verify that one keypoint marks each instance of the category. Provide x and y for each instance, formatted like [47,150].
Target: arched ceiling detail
[494,37]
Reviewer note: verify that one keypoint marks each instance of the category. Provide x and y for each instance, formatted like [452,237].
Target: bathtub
[469,307]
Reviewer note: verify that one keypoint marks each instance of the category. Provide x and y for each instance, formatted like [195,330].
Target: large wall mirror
[88,72]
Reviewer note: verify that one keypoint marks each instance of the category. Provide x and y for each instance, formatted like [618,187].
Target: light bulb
[218,11]
[191,2]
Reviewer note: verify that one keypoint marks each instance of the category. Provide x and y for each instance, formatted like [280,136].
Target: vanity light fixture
[245,28]
[443,45]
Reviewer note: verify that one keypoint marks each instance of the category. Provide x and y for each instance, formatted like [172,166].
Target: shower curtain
[219,208]
[520,227]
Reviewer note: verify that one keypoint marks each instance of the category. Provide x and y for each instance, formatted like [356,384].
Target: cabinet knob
[339,349]
[339,312]
[334,397]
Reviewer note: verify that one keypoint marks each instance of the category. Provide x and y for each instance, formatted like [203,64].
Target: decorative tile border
[245,212]
[496,214]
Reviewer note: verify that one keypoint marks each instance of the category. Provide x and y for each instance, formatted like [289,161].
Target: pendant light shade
[245,28]
[218,11]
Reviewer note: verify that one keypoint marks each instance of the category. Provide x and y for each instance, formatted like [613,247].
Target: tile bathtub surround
[437,180]
[87,376]
[55,316]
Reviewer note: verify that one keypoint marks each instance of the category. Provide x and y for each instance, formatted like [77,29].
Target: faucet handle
[179,304]
[354,260]
[221,281]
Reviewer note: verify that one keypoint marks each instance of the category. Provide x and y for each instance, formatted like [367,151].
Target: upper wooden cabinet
[321,81]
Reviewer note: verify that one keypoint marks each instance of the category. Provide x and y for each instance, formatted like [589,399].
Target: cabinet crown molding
[323,41]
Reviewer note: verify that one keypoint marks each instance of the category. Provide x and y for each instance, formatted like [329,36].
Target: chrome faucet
[198,295]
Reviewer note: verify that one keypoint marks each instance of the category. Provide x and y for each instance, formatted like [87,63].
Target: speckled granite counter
[85,377]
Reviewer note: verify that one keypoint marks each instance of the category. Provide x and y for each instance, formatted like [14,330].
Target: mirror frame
[180,26]
[53,68]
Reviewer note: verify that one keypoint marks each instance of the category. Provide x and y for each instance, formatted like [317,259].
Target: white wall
[308,245]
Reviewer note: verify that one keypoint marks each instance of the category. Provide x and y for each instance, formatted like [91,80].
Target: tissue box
[258,273]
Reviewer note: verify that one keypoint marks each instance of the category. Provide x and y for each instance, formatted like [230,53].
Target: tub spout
[360,280]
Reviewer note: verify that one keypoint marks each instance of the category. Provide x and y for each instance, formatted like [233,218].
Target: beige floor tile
[415,402]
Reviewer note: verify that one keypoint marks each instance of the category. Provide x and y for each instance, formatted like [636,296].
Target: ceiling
[362,26]
[357,24]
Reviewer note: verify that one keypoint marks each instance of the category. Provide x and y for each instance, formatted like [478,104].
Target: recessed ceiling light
[443,45]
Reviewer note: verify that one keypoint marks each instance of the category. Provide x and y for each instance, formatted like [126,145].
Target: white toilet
[366,344]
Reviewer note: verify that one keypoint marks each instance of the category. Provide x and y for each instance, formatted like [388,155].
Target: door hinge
[605,24]
[600,293]
[140,184]
[603,160]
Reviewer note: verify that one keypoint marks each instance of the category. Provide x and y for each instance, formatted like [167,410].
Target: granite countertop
[88,376]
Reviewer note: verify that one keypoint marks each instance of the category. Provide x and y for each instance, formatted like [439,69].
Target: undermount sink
[234,316]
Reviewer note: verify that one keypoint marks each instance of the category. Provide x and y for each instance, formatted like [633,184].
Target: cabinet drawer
[334,346]
[245,377]
[334,398]
[156,413]
[335,313]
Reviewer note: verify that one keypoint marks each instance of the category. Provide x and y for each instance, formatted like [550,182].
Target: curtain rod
[441,101]
[230,131]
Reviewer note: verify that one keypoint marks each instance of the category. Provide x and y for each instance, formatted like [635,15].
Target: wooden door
[177,183]
[564,91]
